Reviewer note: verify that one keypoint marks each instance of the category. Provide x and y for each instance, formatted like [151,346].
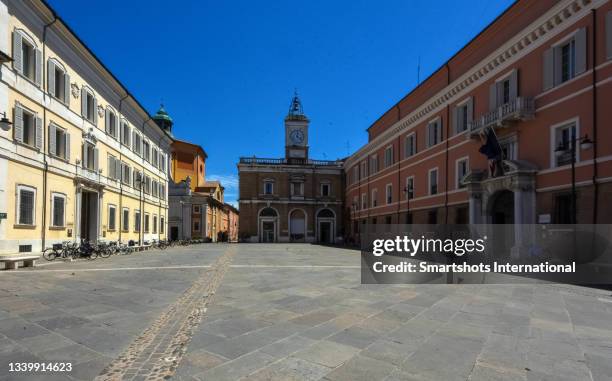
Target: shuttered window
[27,59]
[58,205]
[26,198]
[59,142]
[460,171]
[137,221]
[154,224]
[373,164]
[111,123]
[434,133]
[90,157]
[58,81]
[565,60]
[389,193]
[126,174]
[463,115]
[502,91]
[125,133]
[28,127]
[89,105]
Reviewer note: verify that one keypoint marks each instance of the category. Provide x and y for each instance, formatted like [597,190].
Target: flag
[492,150]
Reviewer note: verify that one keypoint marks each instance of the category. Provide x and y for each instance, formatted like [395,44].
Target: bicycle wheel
[49,254]
[105,252]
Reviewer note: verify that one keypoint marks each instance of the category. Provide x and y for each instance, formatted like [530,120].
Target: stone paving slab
[299,312]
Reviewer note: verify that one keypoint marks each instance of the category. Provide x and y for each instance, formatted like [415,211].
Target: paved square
[292,312]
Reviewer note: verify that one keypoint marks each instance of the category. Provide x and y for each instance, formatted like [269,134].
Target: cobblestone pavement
[293,312]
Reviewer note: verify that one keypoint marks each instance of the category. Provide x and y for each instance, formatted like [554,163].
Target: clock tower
[296,132]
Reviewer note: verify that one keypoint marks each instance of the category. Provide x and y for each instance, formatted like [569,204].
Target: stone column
[524,214]
[78,201]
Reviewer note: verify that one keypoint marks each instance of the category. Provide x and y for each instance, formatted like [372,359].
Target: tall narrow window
[374,198]
[112,217]
[268,187]
[59,142]
[90,156]
[58,206]
[461,171]
[26,199]
[434,132]
[112,123]
[154,224]
[388,156]
[410,188]
[161,225]
[89,105]
[125,133]
[565,138]
[137,220]
[125,220]
[27,59]
[146,222]
[58,81]
[433,181]
[389,193]
[28,127]
[410,145]
[373,164]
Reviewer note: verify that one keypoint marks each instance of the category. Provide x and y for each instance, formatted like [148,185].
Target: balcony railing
[88,174]
[518,109]
[295,161]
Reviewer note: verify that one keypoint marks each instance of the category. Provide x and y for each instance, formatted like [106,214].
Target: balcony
[518,109]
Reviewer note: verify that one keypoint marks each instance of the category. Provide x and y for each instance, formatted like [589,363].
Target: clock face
[296,136]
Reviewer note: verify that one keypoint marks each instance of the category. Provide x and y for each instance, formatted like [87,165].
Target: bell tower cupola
[296,131]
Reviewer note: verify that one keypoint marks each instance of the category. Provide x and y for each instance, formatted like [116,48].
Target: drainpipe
[399,171]
[594,113]
[448,122]
[142,183]
[44,131]
[120,209]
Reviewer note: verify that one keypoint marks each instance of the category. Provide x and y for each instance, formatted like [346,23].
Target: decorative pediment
[89,136]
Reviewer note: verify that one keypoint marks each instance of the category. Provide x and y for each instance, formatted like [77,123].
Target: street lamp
[5,124]
[562,149]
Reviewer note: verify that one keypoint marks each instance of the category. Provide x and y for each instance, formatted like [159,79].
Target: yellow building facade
[81,159]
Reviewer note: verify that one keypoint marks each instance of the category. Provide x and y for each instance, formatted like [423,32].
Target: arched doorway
[326,226]
[268,225]
[501,214]
[297,225]
[502,207]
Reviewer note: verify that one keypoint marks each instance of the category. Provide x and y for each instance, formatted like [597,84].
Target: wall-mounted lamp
[5,124]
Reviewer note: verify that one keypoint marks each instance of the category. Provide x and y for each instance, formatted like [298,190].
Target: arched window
[325,213]
[267,212]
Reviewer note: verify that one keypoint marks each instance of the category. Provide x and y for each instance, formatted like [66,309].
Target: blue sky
[226,70]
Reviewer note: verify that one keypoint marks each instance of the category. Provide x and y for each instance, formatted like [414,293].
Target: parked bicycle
[65,249]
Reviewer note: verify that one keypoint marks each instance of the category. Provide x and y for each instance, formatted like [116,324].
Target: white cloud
[230,183]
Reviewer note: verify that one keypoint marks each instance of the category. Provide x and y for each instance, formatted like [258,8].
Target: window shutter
[66,88]
[111,167]
[83,102]
[581,53]
[514,84]
[470,111]
[39,133]
[84,155]
[439,126]
[106,121]
[67,145]
[117,168]
[455,119]
[96,159]
[609,34]
[493,96]
[134,141]
[548,69]
[51,77]
[18,129]
[52,140]
[116,121]
[17,52]
[556,66]
[38,67]
[95,110]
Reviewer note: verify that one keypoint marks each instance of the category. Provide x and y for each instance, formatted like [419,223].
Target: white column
[78,200]
[524,218]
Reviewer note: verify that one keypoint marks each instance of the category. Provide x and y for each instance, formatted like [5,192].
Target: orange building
[538,80]
[197,206]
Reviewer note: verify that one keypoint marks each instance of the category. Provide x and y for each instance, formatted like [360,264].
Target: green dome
[163,119]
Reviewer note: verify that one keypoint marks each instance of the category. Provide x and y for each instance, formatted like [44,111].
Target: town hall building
[295,198]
